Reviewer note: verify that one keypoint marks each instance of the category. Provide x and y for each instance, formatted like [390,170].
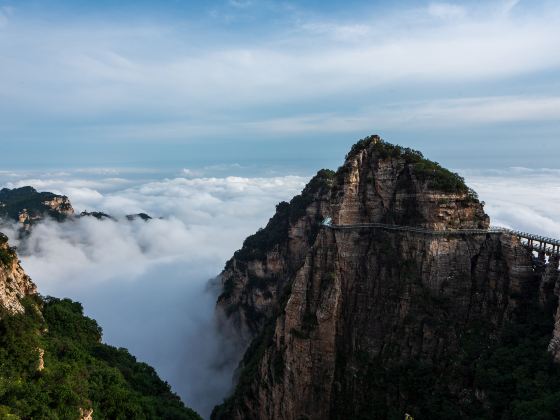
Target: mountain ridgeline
[373,323]
[27,206]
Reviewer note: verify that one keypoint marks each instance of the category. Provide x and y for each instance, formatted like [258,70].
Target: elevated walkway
[541,244]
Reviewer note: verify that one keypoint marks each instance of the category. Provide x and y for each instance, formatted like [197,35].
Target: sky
[208,113]
[290,85]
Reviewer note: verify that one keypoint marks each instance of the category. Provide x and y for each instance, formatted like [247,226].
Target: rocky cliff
[376,323]
[14,283]
[378,183]
[54,365]
[27,206]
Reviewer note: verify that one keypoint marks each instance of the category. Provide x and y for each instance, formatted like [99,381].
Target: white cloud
[190,173]
[522,199]
[508,6]
[337,31]
[446,11]
[418,114]
[242,4]
[487,110]
[146,283]
[147,70]
[62,185]
[5,13]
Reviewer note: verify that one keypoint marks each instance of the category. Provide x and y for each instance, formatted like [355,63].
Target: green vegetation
[256,246]
[518,374]
[425,170]
[17,199]
[7,253]
[6,256]
[439,178]
[384,150]
[319,184]
[79,371]
[510,377]
[260,283]
[276,231]
[229,284]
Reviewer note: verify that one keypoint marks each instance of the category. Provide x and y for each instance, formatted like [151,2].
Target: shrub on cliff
[7,253]
[425,170]
[276,231]
[79,371]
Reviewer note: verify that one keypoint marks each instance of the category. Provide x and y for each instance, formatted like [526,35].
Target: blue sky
[473,84]
[176,108]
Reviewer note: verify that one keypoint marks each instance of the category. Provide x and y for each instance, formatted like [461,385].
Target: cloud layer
[521,198]
[147,283]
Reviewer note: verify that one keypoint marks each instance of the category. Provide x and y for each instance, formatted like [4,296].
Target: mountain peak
[378,183]
[28,206]
[336,315]
[385,183]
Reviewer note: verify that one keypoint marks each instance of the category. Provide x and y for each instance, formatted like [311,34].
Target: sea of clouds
[147,283]
[520,198]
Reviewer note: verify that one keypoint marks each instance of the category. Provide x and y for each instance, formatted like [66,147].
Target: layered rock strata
[320,306]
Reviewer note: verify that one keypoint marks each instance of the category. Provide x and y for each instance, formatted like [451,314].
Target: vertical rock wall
[14,283]
[324,304]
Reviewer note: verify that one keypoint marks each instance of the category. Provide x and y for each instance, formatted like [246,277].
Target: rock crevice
[333,304]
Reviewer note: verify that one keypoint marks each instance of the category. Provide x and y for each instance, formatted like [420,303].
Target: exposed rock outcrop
[142,216]
[28,206]
[14,283]
[99,215]
[86,413]
[323,307]
[551,281]
[377,183]
[41,364]
[53,363]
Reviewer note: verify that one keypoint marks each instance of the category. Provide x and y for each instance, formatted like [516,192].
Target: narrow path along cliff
[408,303]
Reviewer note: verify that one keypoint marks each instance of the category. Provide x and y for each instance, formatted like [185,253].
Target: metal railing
[547,245]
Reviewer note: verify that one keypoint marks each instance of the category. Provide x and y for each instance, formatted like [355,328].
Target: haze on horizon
[473,84]
[147,285]
[207,114]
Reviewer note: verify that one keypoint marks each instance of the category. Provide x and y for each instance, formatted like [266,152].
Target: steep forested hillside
[53,364]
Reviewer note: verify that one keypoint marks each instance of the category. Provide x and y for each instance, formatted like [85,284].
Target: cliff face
[27,206]
[48,348]
[255,277]
[377,183]
[550,292]
[14,283]
[337,313]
